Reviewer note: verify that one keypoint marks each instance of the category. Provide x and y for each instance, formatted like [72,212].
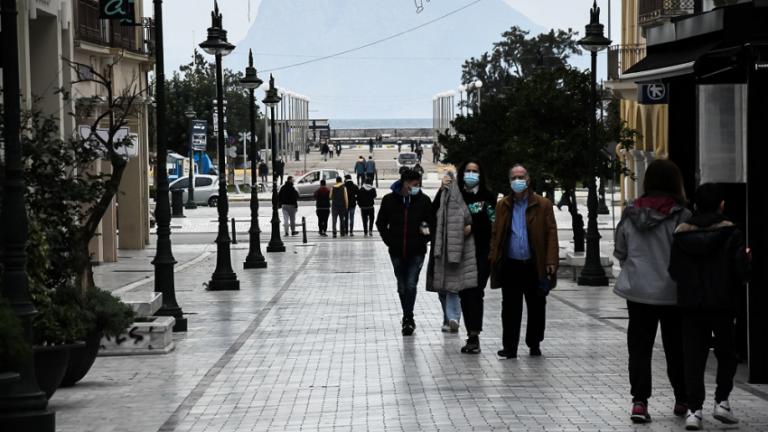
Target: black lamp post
[164,260]
[190,114]
[593,273]
[272,99]
[223,278]
[255,258]
[22,405]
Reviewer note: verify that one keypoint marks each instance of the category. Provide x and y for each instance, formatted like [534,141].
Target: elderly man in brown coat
[524,258]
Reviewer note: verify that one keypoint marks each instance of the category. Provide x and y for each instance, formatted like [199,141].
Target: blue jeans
[407,273]
[351,219]
[451,306]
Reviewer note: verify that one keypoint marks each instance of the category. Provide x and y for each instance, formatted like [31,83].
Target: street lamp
[164,260]
[462,89]
[22,405]
[223,278]
[190,114]
[476,84]
[255,258]
[271,100]
[595,41]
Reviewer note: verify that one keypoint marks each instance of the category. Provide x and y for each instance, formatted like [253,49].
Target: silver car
[406,159]
[206,189]
[307,184]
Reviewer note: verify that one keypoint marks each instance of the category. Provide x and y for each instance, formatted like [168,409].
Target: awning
[667,62]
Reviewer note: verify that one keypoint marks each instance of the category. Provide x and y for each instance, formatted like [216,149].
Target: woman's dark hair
[708,198]
[463,167]
[663,178]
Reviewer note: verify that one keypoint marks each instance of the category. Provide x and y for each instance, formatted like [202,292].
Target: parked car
[206,189]
[407,160]
[307,184]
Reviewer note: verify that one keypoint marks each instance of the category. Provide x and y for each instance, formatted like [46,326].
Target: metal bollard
[234,232]
[303,229]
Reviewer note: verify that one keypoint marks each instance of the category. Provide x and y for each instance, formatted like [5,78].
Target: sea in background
[405,123]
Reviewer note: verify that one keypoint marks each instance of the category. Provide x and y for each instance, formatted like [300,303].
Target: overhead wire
[376,42]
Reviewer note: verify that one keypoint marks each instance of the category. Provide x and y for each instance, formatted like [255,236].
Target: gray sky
[186,21]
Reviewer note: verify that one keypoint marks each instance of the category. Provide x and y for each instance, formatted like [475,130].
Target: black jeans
[521,281]
[322,219]
[698,328]
[644,319]
[472,309]
[340,214]
[368,217]
[360,179]
[407,272]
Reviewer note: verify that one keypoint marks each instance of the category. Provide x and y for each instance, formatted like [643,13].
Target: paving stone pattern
[314,344]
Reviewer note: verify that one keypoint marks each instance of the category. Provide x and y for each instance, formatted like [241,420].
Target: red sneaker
[640,413]
[681,409]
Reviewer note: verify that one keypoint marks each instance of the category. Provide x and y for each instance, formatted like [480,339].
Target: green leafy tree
[194,85]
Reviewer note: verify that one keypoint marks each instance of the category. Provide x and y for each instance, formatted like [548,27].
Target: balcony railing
[622,57]
[111,33]
[653,12]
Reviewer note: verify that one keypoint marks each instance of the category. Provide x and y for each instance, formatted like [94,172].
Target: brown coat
[542,235]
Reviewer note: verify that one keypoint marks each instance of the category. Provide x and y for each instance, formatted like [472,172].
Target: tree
[536,110]
[194,85]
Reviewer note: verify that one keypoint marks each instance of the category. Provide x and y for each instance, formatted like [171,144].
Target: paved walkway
[313,343]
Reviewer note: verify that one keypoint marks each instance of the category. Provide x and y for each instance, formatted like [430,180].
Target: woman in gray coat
[454,264]
[643,246]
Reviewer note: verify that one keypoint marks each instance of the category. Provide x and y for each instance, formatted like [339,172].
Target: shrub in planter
[14,351]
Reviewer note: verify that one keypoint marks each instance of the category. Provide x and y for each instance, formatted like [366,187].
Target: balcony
[654,12]
[621,58]
[109,33]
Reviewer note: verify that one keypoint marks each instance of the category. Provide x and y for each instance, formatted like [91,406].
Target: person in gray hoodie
[643,245]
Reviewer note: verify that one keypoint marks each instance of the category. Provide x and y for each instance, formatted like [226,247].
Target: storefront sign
[652,94]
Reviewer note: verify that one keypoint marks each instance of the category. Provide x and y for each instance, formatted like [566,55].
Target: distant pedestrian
[709,263]
[418,169]
[435,153]
[338,149]
[352,203]
[643,246]
[405,223]
[324,150]
[399,146]
[370,145]
[280,169]
[360,170]
[370,169]
[524,258]
[339,206]
[413,146]
[419,151]
[323,207]
[288,199]
[264,172]
[366,197]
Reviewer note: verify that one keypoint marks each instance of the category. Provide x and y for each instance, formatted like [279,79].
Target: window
[311,177]
[203,181]
[722,133]
[330,175]
[183,183]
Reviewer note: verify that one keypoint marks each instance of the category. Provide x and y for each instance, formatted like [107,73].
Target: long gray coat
[453,252]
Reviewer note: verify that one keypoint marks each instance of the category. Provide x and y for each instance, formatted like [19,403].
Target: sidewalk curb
[133,285]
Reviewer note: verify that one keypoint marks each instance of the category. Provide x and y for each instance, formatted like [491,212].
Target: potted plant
[105,315]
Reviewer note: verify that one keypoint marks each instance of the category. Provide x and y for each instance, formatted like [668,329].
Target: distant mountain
[394,79]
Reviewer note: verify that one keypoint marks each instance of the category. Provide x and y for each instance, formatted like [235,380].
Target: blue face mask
[519,186]
[471,179]
[415,190]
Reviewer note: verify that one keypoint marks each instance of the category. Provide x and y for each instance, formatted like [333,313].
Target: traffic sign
[653,94]
[232,151]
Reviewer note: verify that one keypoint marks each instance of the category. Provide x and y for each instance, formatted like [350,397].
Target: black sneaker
[535,351]
[472,346]
[408,326]
[507,354]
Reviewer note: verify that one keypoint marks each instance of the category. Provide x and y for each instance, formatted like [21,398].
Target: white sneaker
[694,420]
[724,414]
[445,328]
[453,325]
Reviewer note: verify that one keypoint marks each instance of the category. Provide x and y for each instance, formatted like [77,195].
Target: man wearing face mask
[405,221]
[524,256]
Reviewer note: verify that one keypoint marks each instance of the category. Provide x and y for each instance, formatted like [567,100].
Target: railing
[622,57]
[654,12]
[111,33]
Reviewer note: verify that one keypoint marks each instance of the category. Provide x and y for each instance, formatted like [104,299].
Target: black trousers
[644,319]
[368,217]
[322,219]
[698,328]
[521,281]
[360,179]
[472,309]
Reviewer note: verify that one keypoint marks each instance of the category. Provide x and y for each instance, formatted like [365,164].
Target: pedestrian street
[313,343]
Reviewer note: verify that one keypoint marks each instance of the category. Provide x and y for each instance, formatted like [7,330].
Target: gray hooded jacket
[643,245]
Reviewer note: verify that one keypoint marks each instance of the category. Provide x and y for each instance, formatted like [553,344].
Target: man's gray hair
[519,165]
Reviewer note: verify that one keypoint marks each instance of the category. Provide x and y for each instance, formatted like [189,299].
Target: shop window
[722,114]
